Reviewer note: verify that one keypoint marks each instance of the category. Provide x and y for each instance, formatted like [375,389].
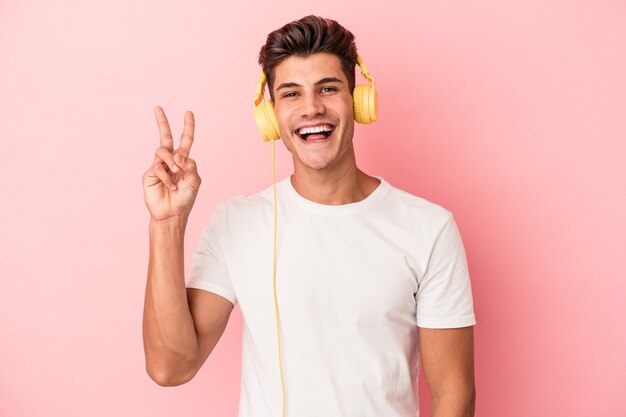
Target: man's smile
[315,133]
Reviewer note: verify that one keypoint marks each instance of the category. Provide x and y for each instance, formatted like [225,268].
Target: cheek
[350,107]
[282,115]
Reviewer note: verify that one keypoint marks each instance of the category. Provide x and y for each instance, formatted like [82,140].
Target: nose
[312,106]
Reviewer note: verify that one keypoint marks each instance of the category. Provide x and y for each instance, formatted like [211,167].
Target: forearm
[170,340]
[454,405]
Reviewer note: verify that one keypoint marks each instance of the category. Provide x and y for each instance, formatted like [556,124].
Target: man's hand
[171,184]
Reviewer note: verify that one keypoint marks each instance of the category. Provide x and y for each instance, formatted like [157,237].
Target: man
[368,275]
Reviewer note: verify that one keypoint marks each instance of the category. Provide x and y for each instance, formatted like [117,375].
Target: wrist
[172,223]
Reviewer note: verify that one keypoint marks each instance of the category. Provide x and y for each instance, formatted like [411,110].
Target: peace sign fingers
[165,133]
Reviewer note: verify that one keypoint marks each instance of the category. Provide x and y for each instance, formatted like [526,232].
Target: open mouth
[315,133]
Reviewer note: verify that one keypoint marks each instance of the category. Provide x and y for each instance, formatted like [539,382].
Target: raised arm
[448,364]
[180,326]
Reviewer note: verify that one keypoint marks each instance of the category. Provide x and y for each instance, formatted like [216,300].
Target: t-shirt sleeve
[208,270]
[444,294]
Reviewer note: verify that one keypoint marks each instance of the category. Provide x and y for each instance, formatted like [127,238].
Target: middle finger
[186,139]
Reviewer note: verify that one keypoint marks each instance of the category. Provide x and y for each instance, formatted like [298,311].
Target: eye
[328,89]
[290,94]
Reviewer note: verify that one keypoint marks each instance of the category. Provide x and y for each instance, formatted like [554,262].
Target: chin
[316,166]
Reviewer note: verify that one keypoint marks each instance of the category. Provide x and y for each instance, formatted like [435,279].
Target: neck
[333,187]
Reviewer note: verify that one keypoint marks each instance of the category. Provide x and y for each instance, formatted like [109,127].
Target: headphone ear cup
[365,101]
[357,103]
[265,118]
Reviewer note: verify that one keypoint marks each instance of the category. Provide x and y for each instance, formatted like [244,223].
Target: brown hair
[307,36]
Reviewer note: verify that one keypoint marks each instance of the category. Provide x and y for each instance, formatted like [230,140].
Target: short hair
[307,36]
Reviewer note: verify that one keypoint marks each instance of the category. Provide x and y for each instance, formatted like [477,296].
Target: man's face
[313,106]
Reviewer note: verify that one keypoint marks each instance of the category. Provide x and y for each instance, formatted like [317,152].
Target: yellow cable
[280,362]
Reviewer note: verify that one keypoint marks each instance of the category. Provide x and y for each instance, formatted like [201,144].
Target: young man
[369,277]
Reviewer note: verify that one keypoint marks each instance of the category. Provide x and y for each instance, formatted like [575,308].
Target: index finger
[186,139]
[165,133]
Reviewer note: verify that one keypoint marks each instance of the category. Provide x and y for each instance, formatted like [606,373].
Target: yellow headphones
[364,97]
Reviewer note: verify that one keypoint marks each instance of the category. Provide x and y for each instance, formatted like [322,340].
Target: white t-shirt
[353,284]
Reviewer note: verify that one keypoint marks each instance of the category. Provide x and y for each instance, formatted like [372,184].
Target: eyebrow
[322,81]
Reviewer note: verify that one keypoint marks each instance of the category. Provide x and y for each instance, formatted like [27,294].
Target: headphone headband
[364,71]
[260,87]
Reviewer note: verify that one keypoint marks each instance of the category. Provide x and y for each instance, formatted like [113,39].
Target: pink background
[510,114]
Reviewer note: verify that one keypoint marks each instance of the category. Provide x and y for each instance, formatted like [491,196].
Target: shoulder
[246,207]
[418,209]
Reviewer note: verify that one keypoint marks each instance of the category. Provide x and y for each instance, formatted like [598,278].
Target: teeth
[315,129]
